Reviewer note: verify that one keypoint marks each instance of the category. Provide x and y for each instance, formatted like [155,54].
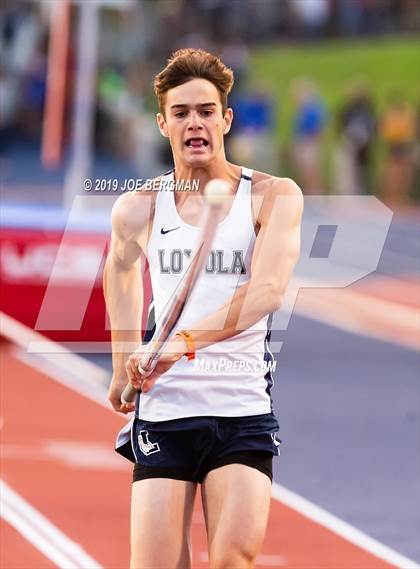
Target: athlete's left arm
[276,252]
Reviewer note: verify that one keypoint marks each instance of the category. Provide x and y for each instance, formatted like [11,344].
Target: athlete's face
[194,122]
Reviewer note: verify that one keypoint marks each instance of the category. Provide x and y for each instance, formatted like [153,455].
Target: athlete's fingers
[135,383]
[129,370]
[134,360]
[133,373]
[144,378]
[149,381]
[121,407]
[150,378]
[143,373]
[127,407]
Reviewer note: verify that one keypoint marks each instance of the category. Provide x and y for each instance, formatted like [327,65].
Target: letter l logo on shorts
[145,445]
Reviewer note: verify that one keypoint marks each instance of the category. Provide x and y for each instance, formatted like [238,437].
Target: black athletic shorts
[187,449]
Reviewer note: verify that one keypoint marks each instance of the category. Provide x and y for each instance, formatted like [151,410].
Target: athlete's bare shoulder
[266,188]
[263,183]
[133,211]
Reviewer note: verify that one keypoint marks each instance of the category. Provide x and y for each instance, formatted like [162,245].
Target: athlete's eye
[207,113]
[180,114]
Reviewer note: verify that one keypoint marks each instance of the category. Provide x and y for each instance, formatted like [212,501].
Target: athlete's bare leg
[161,513]
[236,502]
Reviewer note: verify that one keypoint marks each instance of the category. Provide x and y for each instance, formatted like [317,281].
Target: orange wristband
[189,340]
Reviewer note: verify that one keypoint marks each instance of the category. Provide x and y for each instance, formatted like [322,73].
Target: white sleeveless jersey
[229,378]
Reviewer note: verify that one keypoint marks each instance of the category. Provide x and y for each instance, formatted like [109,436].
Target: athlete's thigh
[236,503]
[161,512]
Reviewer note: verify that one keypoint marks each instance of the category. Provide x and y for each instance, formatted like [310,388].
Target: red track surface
[404,290]
[50,438]
[17,553]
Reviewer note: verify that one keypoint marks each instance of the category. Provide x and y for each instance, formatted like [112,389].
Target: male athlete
[210,423]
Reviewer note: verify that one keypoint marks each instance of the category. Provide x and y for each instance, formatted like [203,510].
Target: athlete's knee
[171,556]
[239,557]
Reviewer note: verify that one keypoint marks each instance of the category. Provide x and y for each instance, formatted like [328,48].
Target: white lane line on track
[43,535]
[65,360]
[340,527]
[82,455]
[279,493]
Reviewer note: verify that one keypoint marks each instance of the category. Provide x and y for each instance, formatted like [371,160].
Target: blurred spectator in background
[416,158]
[349,17]
[251,140]
[398,126]
[235,54]
[110,89]
[308,125]
[34,92]
[23,45]
[311,16]
[9,102]
[406,14]
[20,32]
[124,126]
[357,131]
[140,125]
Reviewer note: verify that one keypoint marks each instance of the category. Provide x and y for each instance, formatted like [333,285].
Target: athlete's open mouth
[196,142]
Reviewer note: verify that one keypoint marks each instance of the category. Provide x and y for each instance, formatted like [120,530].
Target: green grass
[387,64]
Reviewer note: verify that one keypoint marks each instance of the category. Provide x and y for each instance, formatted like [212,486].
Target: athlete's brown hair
[190,63]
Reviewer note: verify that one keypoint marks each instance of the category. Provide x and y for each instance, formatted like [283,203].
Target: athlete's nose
[194,122]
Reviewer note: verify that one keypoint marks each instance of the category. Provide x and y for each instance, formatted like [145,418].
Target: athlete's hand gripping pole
[215,193]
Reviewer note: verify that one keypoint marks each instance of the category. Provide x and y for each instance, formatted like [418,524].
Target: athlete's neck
[224,170]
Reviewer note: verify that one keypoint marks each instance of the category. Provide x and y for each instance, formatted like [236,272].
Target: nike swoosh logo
[164,232]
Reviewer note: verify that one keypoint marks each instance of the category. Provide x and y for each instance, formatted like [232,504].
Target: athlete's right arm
[123,288]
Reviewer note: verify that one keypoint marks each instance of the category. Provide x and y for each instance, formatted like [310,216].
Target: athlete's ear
[227,120]
[162,125]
